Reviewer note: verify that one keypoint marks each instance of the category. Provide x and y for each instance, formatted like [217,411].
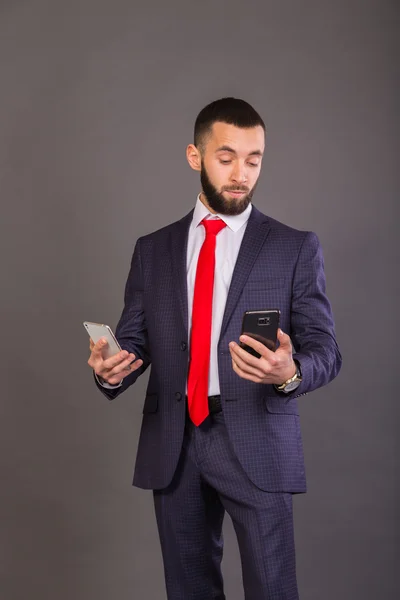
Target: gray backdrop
[97,104]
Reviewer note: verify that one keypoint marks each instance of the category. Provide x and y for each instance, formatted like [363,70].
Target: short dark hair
[226,110]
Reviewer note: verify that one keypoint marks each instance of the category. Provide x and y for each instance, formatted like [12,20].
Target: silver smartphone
[97,331]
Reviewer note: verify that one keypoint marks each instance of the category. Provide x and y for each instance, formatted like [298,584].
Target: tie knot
[213,226]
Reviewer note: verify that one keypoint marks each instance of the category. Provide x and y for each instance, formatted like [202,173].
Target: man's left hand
[272,367]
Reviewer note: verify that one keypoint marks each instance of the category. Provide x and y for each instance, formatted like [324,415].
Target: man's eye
[253,164]
[225,162]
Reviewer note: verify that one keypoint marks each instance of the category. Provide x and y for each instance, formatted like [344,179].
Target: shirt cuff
[104,384]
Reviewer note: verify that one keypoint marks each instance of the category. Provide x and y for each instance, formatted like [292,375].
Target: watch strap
[296,377]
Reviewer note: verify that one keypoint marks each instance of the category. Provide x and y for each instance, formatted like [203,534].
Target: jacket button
[178,396]
[183,345]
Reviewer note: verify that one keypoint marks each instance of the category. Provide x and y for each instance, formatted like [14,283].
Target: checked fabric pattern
[277,267]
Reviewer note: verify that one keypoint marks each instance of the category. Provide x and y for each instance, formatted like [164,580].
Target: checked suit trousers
[190,511]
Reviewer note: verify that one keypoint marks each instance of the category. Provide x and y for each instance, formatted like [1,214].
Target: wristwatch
[291,384]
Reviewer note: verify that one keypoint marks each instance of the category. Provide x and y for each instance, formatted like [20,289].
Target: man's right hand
[115,368]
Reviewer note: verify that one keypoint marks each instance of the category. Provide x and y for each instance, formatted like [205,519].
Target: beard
[216,200]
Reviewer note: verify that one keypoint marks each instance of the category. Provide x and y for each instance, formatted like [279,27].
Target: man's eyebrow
[232,151]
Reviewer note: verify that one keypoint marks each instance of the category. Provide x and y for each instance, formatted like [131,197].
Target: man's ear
[193,157]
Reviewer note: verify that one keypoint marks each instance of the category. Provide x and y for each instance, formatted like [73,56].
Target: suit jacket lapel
[179,241]
[254,237]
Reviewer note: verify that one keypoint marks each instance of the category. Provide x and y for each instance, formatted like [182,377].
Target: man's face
[230,167]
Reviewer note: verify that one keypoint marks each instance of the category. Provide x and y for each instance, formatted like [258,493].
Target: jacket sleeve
[131,331]
[312,325]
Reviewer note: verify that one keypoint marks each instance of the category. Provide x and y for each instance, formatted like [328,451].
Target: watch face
[292,386]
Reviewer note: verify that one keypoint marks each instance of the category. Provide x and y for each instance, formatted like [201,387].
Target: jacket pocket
[150,404]
[281,406]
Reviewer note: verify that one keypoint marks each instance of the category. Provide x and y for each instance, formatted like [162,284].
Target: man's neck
[203,199]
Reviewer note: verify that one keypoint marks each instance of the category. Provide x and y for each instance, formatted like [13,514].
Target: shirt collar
[234,222]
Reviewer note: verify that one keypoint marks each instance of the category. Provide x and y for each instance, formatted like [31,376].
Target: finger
[245,368]
[248,358]
[238,352]
[246,365]
[136,364]
[284,340]
[116,359]
[121,369]
[96,358]
[259,347]
[118,377]
[103,366]
[98,348]
[114,380]
[245,375]
[127,366]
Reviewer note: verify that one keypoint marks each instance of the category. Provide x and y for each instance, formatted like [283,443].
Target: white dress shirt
[227,248]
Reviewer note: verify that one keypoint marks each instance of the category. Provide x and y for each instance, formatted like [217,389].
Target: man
[220,427]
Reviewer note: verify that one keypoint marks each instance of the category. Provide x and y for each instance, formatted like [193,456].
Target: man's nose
[239,174]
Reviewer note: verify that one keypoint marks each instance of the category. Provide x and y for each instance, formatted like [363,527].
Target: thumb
[284,339]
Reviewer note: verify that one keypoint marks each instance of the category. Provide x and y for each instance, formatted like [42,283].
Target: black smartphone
[262,325]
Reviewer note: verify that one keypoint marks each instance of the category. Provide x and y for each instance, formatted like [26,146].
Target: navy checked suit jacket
[277,267]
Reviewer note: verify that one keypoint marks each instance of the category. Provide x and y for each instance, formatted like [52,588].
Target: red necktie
[200,338]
